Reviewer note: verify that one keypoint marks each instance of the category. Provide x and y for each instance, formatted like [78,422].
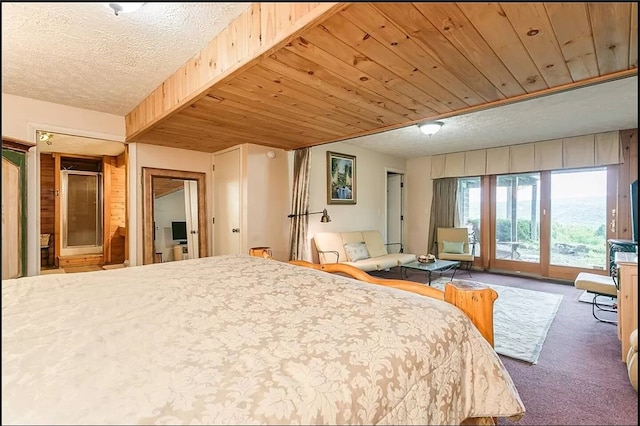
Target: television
[634,210]
[179,231]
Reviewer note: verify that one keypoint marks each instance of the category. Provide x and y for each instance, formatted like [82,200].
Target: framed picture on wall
[341,178]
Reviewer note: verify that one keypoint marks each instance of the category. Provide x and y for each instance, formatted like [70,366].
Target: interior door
[191,214]
[11,227]
[227,213]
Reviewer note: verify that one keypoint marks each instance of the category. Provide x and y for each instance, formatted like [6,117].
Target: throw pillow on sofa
[453,247]
[356,251]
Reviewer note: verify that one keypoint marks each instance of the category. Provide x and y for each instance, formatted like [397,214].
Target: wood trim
[126,203]
[486,197]
[148,174]
[106,209]
[57,217]
[16,144]
[256,33]
[474,299]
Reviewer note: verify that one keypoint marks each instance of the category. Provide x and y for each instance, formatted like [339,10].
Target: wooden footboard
[475,300]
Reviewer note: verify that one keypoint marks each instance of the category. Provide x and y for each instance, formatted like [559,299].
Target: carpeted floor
[580,378]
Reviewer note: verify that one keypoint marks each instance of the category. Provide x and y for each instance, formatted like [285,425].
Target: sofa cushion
[331,243]
[375,245]
[595,283]
[356,251]
[351,237]
[455,247]
[403,258]
[459,257]
[367,265]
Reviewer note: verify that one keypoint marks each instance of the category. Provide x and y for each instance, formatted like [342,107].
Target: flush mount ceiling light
[430,128]
[127,7]
[45,137]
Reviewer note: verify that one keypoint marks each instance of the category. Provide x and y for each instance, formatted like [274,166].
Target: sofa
[365,250]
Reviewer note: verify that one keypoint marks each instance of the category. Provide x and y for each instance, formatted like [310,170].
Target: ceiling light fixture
[127,7]
[430,128]
[45,137]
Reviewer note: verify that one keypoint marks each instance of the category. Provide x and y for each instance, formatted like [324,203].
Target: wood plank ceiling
[371,67]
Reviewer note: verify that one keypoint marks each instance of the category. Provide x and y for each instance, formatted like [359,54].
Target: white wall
[21,117]
[166,209]
[370,210]
[419,190]
[161,157]
[267,200]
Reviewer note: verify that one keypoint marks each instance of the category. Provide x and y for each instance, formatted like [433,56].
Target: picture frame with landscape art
[341,178]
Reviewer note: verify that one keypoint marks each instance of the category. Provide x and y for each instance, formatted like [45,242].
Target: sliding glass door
[549,223]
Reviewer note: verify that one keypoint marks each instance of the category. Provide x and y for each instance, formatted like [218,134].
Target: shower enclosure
[81,212]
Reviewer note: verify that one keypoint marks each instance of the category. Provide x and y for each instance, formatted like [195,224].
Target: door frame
[402,174]
[148,173]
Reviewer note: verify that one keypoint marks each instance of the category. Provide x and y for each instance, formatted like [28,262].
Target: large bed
[240,340]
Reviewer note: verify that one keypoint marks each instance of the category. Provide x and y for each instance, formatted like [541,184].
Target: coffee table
[437,266]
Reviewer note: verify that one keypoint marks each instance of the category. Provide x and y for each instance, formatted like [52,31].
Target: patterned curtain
[299,205]
[443,208]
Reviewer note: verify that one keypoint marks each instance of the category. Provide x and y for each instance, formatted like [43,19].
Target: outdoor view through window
[577,216]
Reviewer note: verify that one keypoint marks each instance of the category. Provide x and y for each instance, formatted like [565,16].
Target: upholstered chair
[453,244]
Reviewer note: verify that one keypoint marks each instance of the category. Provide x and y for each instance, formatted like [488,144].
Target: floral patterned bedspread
[240,340]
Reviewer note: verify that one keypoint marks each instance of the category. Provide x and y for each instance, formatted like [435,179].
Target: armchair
[454,244]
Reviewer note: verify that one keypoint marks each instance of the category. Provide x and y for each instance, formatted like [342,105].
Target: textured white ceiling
[82,55]
[594,109]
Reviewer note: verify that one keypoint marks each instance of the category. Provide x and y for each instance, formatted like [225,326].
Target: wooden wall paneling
[633,39]
[47,201]
[492,23]
[442,100]
[342,79]
[461,33]
[277,27]
[532,24]
[361,104]
[106,209]
[372,71]
[368,19]
[610,23]
[126,203]
[627,173]
[574,40]
[117,220]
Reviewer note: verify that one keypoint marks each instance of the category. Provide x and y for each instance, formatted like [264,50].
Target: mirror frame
[148,173]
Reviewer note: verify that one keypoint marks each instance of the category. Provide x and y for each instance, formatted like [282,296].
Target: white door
[191,215]
[394,212]
[227,193]
[10,220]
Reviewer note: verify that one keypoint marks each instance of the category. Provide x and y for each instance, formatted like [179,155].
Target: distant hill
[589,211]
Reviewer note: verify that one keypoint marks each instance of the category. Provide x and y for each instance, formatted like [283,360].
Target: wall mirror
[174,215]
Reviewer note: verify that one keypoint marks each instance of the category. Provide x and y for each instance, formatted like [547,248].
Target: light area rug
[521,319]
[587,297]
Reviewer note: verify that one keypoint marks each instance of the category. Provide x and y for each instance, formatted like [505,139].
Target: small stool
[599,285]
[261,252]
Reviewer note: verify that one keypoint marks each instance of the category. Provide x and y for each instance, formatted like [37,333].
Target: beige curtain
[443,208]
[299,205]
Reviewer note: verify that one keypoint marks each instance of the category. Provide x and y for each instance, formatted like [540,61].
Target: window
[468,205]
[578,218]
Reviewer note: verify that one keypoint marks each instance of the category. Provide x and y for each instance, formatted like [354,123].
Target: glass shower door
[81,212]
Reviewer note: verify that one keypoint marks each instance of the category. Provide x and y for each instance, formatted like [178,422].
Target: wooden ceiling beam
[258,32]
